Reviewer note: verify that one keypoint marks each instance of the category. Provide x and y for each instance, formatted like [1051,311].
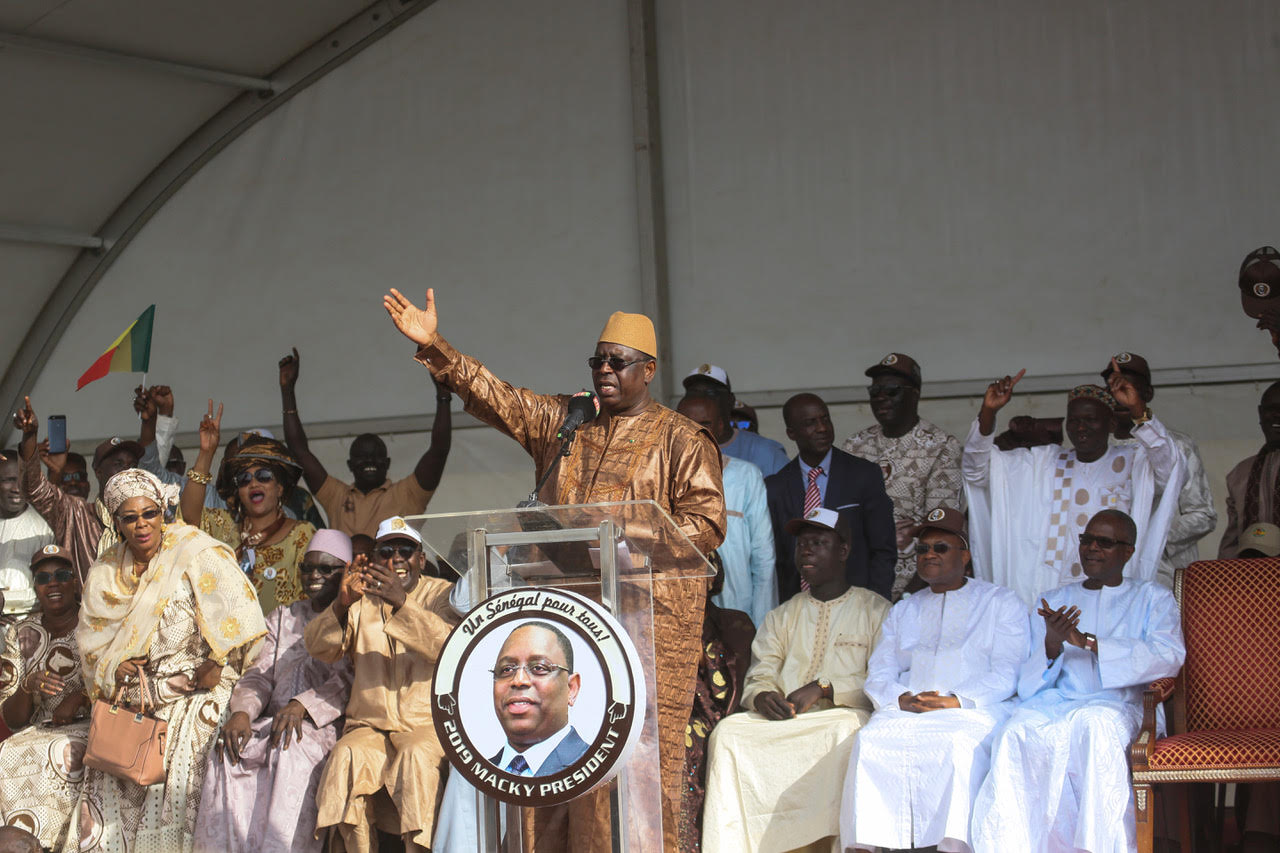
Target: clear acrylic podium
[614,553]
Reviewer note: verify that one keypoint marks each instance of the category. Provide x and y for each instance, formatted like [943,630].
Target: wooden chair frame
[1173,692]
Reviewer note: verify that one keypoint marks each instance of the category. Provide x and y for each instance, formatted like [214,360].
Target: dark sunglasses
[405,551]
[616,363]
[59,575]
[304,568]
[893,392]
[145,515]
[262,475]
[937,548]
[1105,542]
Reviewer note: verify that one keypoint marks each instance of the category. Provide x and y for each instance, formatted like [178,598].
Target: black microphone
[583,407]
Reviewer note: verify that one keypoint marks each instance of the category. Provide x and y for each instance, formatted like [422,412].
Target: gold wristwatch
[1143,418]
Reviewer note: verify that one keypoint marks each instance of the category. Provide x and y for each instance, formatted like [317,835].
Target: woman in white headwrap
[168,604]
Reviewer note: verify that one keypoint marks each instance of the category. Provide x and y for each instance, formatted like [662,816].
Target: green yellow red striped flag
[131,353]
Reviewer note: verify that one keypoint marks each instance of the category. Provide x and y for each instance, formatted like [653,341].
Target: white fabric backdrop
[987,186]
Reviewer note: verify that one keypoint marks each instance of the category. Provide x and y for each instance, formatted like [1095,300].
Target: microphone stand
[532,501]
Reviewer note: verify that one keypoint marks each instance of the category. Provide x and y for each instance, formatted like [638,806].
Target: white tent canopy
[792,189]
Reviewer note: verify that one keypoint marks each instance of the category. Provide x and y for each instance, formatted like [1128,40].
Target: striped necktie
[518,765]
[812,500]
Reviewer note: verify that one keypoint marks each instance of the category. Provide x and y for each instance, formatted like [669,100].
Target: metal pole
[488,821]
[611,597]
[43,235]
[129,60]
[651,221]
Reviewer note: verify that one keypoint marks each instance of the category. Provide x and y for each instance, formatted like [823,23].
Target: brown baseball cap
[114,444]
[946,519]
[50,552]
[1129,362]
[1259,281]
[898,363]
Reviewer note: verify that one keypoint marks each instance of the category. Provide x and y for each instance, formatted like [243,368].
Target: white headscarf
[136,483]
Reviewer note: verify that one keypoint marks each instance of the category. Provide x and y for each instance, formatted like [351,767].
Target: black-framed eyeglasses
[405,551]
[538,670]
[262,475]
[1104,542]
[321,568]
[60,575]
[923,548]
[616,363]
[893,392]
[75,477]
[145,515]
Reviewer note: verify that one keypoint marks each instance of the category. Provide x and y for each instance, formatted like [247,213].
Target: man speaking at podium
[637,449]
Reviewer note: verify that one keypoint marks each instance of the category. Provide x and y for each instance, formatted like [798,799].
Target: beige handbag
[126,743]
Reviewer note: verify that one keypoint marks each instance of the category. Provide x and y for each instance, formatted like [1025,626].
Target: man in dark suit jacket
[570,749]
[851,486]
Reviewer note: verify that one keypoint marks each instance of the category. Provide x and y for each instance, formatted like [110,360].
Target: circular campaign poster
[539,696]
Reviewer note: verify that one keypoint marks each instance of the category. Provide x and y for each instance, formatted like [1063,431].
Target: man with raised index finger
[1028,506]
[637,449]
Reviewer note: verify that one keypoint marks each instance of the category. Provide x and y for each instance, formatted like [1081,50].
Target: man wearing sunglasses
[23,534]
[1028,506]
[285,717]
[636,449]
[956,646]
[1059,777]
[920,461]
[391,622]
[72,477]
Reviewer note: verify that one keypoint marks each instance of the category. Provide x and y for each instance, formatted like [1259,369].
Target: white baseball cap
[818,517]
[396,527]
[708,371]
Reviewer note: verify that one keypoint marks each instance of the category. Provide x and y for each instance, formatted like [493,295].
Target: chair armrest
[1140,750]
[1162,688]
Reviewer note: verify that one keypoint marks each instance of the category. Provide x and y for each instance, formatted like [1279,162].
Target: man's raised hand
[162,397]
[289,369]
[211,429]
[416,324]
[1000,392]
[25,420]
[1124,391]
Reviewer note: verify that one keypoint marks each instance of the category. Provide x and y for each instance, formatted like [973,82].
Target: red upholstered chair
[1225,720]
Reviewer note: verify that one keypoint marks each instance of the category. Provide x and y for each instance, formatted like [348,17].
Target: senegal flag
[131,353]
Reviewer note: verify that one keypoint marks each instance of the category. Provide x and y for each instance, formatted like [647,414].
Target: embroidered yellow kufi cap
[631,330]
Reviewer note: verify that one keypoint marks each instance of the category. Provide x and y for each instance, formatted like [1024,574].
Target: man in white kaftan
[773,780]
[943,679]
[1027,506]
[1059,777]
